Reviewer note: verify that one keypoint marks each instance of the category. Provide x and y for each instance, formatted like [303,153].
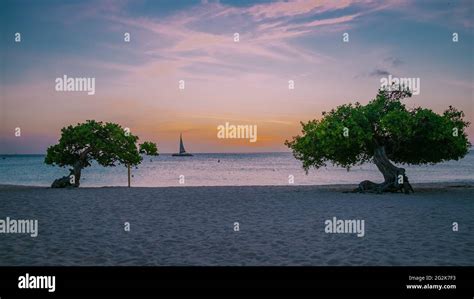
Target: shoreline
[421,186]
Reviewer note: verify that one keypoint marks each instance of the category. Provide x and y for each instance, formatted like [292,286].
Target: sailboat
[182,151]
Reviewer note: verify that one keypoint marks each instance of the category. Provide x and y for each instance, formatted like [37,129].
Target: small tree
[108,144]
[149,148]
[382,131]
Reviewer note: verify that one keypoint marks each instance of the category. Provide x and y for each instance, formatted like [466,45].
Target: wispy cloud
[379,73]
[183,43]
[394,61]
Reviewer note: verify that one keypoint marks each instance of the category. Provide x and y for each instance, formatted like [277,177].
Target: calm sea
[221,170]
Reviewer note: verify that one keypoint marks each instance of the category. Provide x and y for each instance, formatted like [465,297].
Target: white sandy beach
[279,225]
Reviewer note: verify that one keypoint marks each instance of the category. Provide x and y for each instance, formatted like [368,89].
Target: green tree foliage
[106,143]
[386,126]
[148,148]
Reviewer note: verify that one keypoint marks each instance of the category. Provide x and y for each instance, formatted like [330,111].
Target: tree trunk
[128,166]
[74,177]
[72,180]
[394,177]
[77,173]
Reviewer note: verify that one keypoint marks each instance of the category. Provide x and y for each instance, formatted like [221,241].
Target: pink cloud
[293,8]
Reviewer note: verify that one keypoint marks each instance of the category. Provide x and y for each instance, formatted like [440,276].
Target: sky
[241,83]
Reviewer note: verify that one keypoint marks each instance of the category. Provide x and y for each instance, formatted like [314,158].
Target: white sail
[181,146]
[182,151]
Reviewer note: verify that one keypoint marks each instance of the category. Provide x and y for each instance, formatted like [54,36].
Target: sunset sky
[243,82]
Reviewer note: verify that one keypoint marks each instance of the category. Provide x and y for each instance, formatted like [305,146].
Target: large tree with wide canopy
[384,132]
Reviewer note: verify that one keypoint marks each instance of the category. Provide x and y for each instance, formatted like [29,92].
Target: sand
[279,225]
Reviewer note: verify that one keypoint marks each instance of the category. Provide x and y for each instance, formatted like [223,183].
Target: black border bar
[239,282]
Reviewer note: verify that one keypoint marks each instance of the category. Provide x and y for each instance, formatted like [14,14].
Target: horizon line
[170,153]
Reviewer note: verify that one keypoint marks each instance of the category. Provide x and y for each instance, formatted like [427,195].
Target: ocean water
[222,170]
